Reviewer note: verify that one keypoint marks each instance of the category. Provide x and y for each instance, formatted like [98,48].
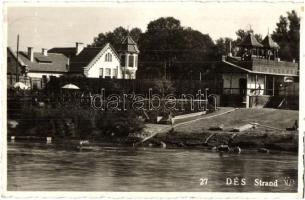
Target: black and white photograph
[187,98]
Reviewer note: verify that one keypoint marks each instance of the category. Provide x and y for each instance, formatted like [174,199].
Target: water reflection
[41,167]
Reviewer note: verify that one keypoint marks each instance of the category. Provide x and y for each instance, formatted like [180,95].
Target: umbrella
[70,86]
[21,85]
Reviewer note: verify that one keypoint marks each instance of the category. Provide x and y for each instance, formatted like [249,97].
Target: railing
[264,65]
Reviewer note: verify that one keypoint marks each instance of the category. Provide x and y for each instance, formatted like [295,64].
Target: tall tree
[176,51]
[116,37]
[223,45]
[287,35]
[242,33]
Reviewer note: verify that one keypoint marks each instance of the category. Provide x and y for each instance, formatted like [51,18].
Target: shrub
[77,122]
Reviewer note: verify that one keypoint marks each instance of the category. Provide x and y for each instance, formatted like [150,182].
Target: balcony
[266,66]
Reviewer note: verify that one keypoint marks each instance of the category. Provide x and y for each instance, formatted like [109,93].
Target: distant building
[258,72]
[95,62]
[102,62]
[37,67]
[91,62]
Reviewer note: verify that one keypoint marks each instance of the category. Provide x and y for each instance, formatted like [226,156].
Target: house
[37,67]
[96,62]
[15,69]
[102,62]
[258,74]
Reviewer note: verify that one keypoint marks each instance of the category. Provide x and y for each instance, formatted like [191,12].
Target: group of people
[260,53]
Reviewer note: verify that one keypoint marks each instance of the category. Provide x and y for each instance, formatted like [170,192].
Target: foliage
[173,51]
[223,45]
[177,52]
[242,33]
[116,37]
[76,122]
[118,124]
[287,35]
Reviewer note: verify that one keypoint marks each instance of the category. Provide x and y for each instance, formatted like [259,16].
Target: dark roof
[53,62]
[11,66]
[269,43]
[67,51]
[250,41]
[79,62]
[129,45]
[88,54]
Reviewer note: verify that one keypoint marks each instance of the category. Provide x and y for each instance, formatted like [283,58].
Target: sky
[47,26]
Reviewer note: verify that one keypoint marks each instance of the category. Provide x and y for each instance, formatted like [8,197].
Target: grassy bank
[197,134]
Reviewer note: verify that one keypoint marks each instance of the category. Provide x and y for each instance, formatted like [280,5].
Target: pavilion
[257,73]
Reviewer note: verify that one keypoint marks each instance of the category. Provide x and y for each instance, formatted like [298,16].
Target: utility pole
[165,70]
[17,76]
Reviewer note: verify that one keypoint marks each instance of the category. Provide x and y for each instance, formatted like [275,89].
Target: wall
[93,72]
[234,84]
[39,75]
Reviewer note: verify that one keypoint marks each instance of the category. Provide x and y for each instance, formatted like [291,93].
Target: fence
[139,86]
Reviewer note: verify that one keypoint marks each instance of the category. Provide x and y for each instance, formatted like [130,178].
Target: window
[44,78]
[130,61]
[108,57]
[115,73]
[101,72]
[107,73]
[123,60]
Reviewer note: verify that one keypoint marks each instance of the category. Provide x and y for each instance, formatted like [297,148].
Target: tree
[223,45]
[242,33]
[175,50]
[287,35]
[116,37]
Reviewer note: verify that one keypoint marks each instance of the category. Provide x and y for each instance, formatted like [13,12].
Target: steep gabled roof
[250,41]
[67,51]
[87,57]
[269,43]
[11,67]
[53,62]
[10,50]
[129,45]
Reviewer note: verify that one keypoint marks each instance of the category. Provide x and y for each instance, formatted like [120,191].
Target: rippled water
[39,167]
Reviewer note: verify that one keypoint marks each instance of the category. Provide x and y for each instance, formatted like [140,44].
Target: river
[42,167]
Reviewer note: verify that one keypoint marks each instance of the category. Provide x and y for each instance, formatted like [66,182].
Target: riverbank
[268,133]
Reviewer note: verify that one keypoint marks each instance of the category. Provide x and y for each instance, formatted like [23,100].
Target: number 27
[204,181]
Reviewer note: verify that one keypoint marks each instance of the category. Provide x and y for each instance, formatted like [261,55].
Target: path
[154,129]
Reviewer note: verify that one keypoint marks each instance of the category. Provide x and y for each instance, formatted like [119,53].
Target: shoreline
[270,135]
[252,141]
[246,141]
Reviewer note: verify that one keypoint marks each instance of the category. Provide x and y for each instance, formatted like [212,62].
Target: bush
[77,122]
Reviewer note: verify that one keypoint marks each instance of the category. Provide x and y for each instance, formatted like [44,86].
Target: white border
[140,195]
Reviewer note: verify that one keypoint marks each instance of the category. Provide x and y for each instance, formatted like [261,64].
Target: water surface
[42,167]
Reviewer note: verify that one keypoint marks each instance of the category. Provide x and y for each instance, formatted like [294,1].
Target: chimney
[31,54]
[79,47]
[44,52]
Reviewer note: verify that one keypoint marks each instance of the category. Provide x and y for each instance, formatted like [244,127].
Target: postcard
[154,100]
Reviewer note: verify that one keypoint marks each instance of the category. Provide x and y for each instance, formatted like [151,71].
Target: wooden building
[258,73]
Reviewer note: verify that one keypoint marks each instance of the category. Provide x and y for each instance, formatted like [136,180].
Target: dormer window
[108,57]
[43,59]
